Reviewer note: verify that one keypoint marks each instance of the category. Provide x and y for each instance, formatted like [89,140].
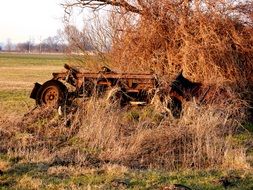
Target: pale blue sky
[21,20]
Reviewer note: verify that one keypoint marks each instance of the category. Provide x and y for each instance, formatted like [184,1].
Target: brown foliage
[211,42]
[136,138]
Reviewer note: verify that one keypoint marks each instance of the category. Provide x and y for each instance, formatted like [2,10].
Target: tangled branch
[96,4]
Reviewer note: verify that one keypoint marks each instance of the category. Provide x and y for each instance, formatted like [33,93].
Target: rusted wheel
[52,93]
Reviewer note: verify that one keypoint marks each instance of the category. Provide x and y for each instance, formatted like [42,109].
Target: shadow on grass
[13,178]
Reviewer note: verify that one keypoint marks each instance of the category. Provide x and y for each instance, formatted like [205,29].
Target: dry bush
[198,140]
[211,41]
[101,133]
[35,135]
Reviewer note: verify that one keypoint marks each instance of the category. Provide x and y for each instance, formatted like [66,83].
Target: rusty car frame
[129,88]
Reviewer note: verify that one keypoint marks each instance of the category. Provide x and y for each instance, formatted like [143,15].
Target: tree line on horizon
[60,43]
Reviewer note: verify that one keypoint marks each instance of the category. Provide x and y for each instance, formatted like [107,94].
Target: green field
[18,73]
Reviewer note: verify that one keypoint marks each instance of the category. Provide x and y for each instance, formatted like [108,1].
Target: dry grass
[99,133]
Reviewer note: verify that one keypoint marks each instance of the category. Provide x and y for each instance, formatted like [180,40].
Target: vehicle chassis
[130,88]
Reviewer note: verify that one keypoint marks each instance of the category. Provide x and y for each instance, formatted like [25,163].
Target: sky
[23,20]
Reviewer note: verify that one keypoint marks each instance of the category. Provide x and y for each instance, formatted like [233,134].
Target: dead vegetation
[99,133]
[211,41]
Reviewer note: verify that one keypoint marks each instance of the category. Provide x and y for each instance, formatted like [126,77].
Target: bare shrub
[211,41]
[198,140]
[100,133]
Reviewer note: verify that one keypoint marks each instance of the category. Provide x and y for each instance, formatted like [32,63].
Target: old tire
[52,93]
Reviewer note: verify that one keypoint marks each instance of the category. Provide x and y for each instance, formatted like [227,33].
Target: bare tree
[27,46]
[209,40]
[74,38]
[8,45]
[158,8]
[134,6]
[51,44]
[23,47]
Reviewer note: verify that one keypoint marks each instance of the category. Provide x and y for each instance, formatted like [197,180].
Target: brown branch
[98,3]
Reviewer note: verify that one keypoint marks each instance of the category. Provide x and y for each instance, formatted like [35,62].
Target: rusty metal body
[135,88]
[132,82]
[128,88]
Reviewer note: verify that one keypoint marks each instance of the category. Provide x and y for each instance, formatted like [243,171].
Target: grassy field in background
[18,74]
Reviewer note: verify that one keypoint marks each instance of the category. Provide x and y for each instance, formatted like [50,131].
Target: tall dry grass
[99,133]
